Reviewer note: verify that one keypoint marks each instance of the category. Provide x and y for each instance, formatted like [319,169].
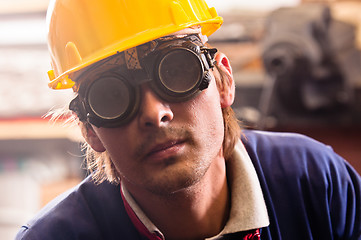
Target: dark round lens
[109,98]
[180,71]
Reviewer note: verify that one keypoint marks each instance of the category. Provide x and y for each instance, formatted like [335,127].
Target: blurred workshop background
[296,64]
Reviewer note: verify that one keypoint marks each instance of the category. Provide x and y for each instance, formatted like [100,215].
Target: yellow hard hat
[82,32]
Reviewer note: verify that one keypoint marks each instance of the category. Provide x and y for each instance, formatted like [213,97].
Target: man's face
[167,146]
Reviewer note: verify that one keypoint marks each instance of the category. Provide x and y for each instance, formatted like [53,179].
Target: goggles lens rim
[202,56]
[97,93]
[183,65]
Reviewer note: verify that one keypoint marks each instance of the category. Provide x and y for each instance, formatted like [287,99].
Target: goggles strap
[209,62]
[76,105]
[210,53]
[131,59]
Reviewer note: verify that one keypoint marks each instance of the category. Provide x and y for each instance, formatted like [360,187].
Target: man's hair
[100,165]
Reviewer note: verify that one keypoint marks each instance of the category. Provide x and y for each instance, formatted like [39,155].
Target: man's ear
[227,91]
[91,137]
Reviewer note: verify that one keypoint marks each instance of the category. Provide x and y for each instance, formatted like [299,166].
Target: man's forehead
[147,48]
[189,31]
[130,56]
[194,30]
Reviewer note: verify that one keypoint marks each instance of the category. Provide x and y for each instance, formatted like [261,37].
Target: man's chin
[172,181]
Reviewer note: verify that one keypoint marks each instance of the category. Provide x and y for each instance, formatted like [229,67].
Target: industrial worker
[167,157]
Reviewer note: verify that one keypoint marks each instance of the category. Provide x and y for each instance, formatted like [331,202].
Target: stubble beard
[177,180]
[177,174]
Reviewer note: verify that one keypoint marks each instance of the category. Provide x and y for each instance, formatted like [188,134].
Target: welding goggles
[176,70]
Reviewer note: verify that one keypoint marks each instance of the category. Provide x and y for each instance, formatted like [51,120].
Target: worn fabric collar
[248,208]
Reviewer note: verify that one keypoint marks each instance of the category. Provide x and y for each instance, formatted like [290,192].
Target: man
[154,105]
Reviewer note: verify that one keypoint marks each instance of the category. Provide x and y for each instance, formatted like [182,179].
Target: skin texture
[170,159]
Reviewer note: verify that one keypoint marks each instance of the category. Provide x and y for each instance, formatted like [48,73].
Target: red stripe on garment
[142,229]
[253,235]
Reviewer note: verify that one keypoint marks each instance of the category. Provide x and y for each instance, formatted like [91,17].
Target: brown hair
[232,130]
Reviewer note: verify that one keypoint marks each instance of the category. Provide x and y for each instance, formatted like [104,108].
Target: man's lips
[165,149]
[164,140]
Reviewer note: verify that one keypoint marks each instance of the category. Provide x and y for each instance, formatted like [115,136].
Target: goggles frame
[151,61]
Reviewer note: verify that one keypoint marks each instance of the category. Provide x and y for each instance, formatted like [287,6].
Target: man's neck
[197,212]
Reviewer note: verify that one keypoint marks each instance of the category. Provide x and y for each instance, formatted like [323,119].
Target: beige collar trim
[248,208]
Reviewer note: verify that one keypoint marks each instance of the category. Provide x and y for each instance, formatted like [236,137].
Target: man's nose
[153,111]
